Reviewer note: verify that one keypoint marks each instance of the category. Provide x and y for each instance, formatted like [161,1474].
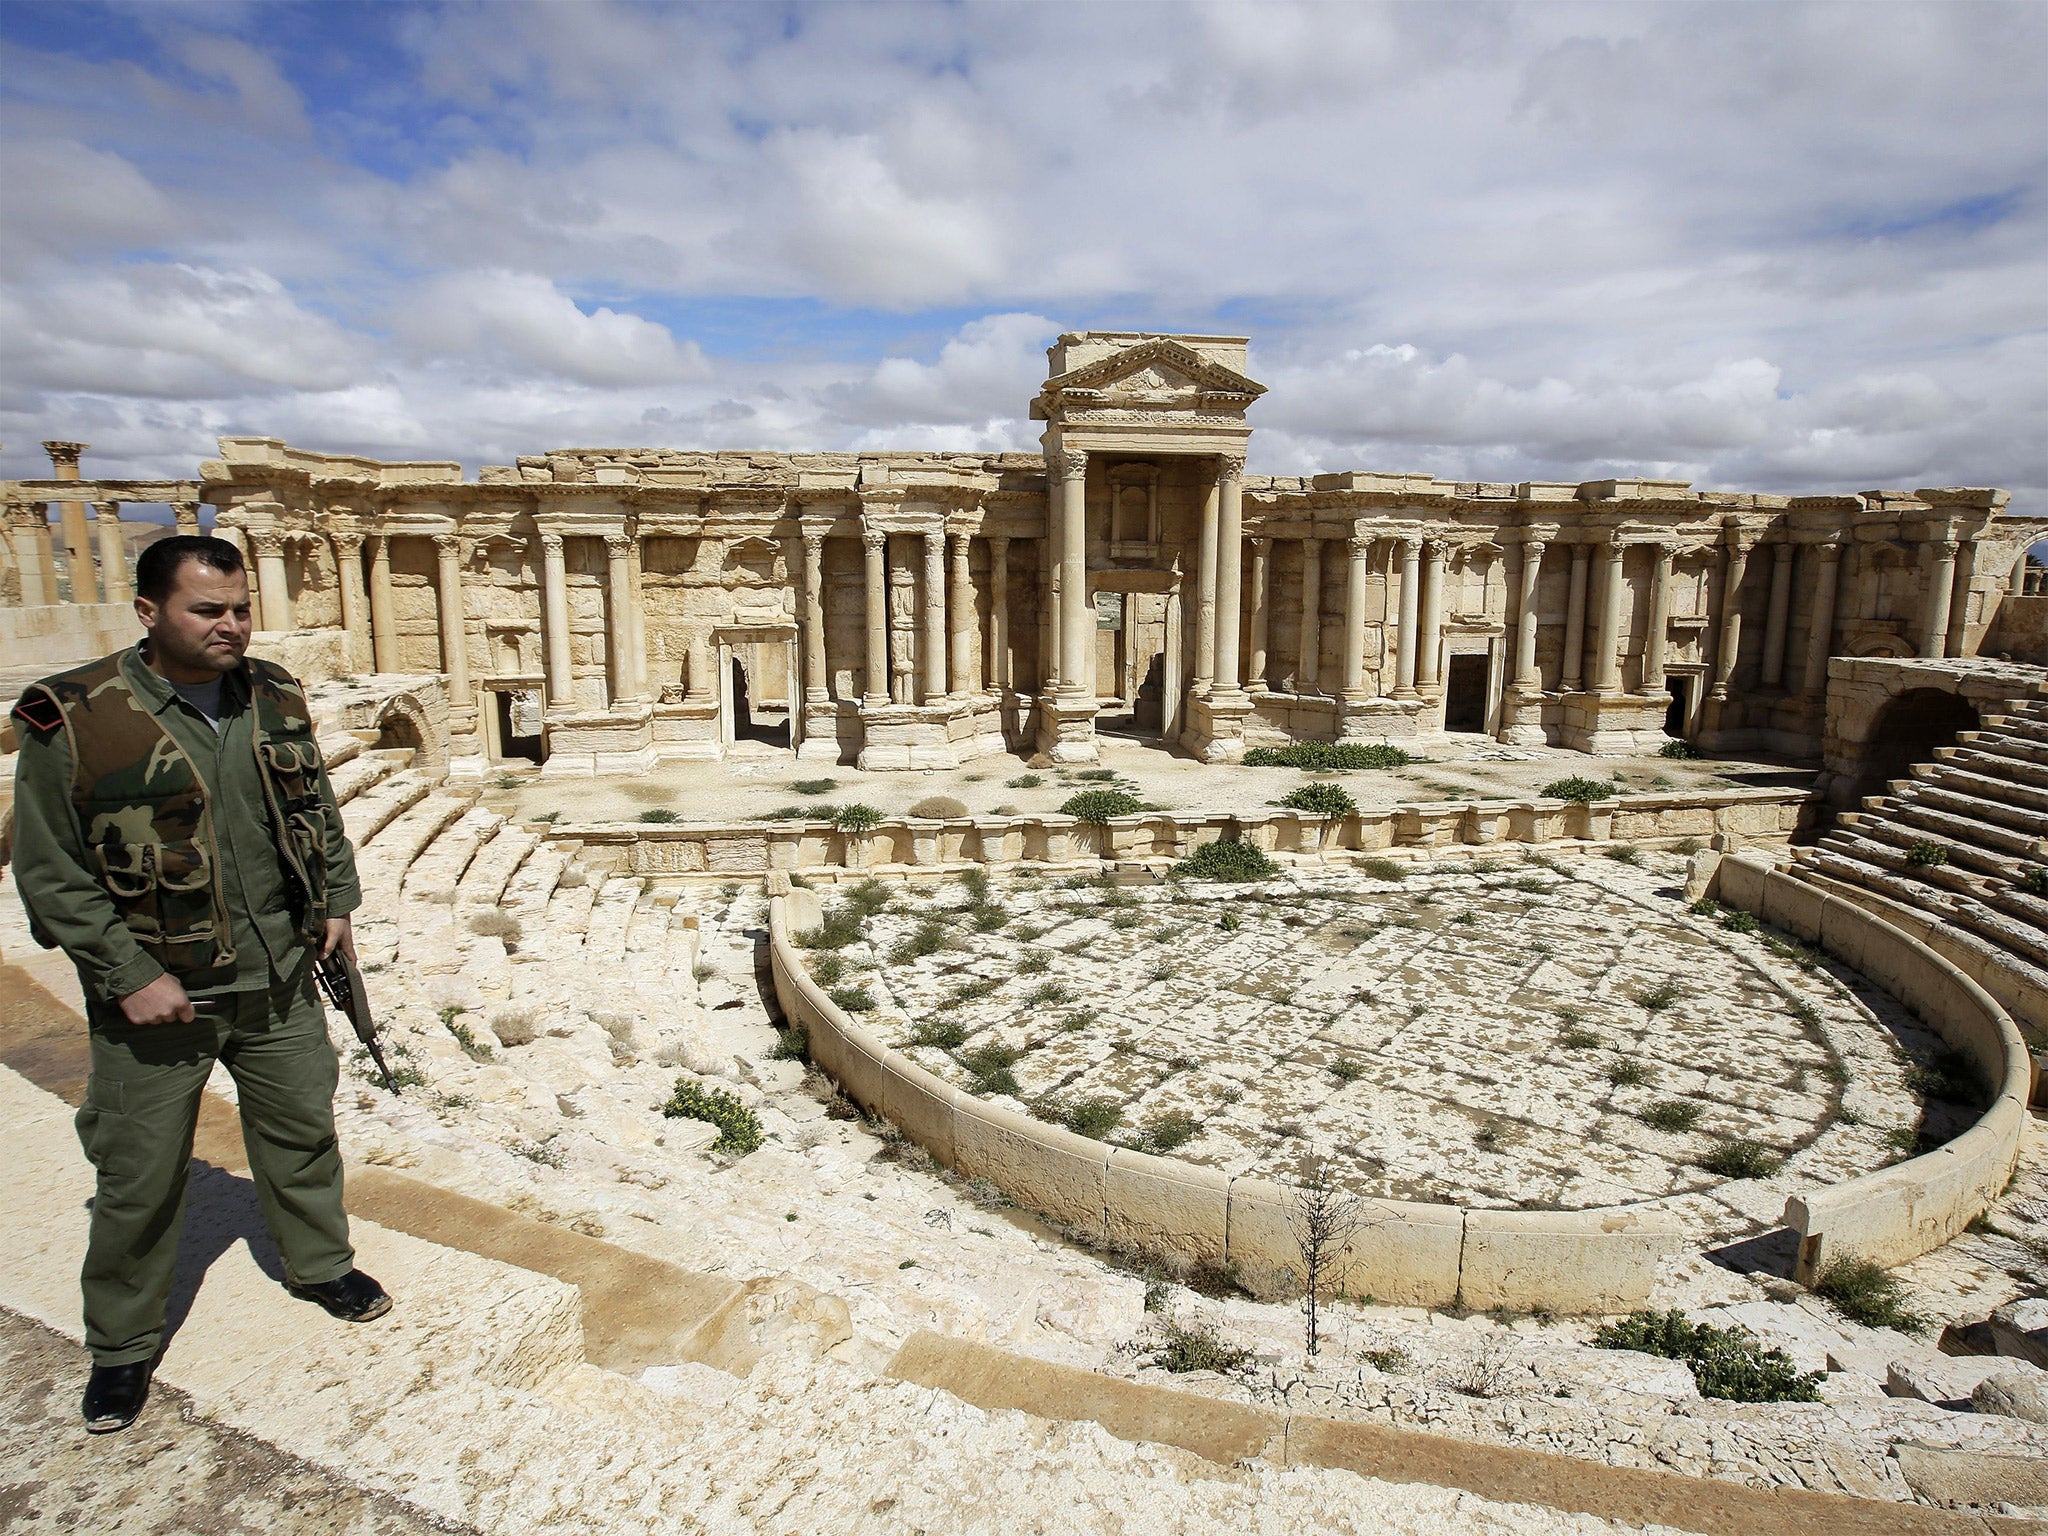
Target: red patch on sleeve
[39,712]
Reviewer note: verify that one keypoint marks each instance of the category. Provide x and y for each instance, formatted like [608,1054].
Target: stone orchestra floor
[1506,1033]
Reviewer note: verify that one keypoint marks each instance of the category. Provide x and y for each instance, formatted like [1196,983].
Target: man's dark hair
[156,569]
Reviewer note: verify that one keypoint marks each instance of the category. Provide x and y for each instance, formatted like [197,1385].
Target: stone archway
[403,722]
[1886,713]
[1907,731]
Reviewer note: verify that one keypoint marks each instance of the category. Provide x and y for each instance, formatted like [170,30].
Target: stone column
[1429,637]
[270,579]
[998,659]
[1311,660]
[554,604]
[1528,678]
[1959,601]
[1262,618]
[1657,638]
[115,586]
[348,568]
[1205,591]
[934,636]
[960,646]
[618,644]
[1574,675]
[453,623]
[1728,647]
[817,689]
[1820,638]
[636,615]
[1776,615]
[1941,579]
[1229,568]
[703,687]
[383,620]
[1360,550]
[1411,608]
[1607,638]
[1077,667]
[71,514]
[1049,602]
[875,686]
[31,521]
[186,514]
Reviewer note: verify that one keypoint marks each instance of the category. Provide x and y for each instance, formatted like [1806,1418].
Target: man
[176,834]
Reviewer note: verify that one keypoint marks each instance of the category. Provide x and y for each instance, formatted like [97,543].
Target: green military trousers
[141,1109]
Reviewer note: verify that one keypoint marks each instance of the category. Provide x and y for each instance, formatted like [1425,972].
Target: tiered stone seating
[1981,809]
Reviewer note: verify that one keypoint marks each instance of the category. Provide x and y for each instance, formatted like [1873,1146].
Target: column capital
[873,539]
[1411,547]
[551,544]
[617,546]
[268,541]
[1533,548]
[1944,549]
[106,509]
[934,538]
[814,543]
[1260,543]
[65,455]
[448,546]
[1230,466]
[1437,546]
[346,541]
[1067,464]
[1360,545]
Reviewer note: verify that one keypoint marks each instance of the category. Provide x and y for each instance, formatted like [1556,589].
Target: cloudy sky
[1766,246]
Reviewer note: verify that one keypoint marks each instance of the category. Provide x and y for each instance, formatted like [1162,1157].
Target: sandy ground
[759,780]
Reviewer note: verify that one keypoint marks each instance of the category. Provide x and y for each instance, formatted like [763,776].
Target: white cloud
[523,321]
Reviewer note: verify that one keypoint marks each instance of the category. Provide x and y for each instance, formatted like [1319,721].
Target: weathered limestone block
[1401,1253]
[1042,1167]
[1569,1261]
[1159,1204]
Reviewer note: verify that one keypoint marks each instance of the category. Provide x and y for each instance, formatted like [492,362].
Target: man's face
[202,628]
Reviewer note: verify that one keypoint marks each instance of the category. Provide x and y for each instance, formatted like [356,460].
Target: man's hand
[341,933]
[163,1001]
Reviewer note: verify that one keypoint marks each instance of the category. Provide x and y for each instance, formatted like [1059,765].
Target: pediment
[1156,367]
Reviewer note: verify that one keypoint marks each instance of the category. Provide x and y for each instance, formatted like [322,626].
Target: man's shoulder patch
[37,710]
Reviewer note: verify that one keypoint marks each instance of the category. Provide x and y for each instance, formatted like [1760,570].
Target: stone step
[360,774]
[1957,900]
[526,893]
[2013,947]
[1946,775]
[483,883]
[434,875]
[604,939]
[1958,802]
[2003,744]
[1963,854]
[1994,765]
[338,748]
[561,929]
[365,817]
[1922,813]
[384,864]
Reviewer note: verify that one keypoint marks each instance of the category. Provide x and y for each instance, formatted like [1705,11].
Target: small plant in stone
[661,814]
[1624,853]
[941,1034]
[1226,862]
[739,1128]
[1741,1159]
[1323,1220]
[1576,1037]
[1382,869]
[703,970]
[1185,1347]
[1345,1070]
[1862,1292]
[1628,1074]
[1730,1364]
[1094,1118]
[1706,906]
[856,818]
[1740,922]
[1045,994]
[1166,1133]
[988,1068]
[2034,882]
[1326,800]
[1656,999]
[1926,855]
[1578,788]
[928,938]
[1672,1116]
[790,1045]
[541,1152]
[974,991]
[853,999]
[827,969]
[1678,748]
[1034,963]
[813,786]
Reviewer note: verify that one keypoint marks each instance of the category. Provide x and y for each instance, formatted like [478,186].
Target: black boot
[114,1394]
[354,1298]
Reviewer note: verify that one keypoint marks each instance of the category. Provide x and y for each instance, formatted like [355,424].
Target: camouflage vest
[142,808]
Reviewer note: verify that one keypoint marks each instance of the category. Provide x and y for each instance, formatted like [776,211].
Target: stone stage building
[603,609]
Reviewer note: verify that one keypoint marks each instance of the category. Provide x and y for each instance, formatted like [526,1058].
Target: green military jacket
[226,853]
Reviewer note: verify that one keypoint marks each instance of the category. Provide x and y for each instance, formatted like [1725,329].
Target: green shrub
[1731,1364]
[939,808]
[1345,1070]
[1706,906]
[1925,854]
[546,818]
[1864,1293]
[1741,1159]
[1037,963]
[1576,1037]
[790,1045]
[739,1128]
[1656,999]
[1678,748]
[869,897]
[1328,801]
[974,991]
[814,786]
[1234,862]
[988,1067]
[1329,756]
[2034,882]
[1024,781]
[1740,922]
[1184,1347]
[826,969]
[1093,1118]
[928,939]
[838,927]
[1628,1074]
[941,1034]
[798,813]
[1046,994]
[853,999]
[856,818]
[660,814]
[1675,1116]
[1174,1129]
[1624,853]
[1099,805]
[1383,869]
[1579,788]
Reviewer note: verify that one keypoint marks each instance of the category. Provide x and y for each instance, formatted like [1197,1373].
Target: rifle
[343,984]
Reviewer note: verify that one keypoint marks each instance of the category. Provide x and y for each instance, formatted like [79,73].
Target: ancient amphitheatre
[733,785]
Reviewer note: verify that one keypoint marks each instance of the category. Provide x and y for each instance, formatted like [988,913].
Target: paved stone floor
[757,781]
[1510,1033]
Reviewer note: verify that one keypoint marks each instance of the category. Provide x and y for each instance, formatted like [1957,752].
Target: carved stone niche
[756,573]
[1134,512]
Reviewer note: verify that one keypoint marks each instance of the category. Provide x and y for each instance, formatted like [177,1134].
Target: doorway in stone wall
[756,667]
[1679,710]
[1465,694]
